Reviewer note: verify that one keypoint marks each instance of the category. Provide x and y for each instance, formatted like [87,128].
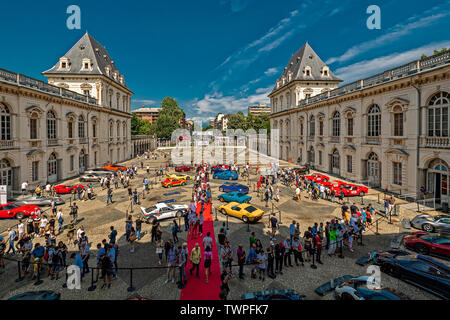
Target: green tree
[424,56]
[169,118]
[139,126]
[237,121]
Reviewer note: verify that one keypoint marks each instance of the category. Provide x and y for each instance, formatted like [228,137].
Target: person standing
[195,259]
[160,250]
[138,223]
[172,262]
[182,259]
[262,258]
[60,218]
[318,247]
[270,260]
[297,248]
[11,238]
[109,196]
[175,230]
[85,257]
[279,254]
[241,260]
[287,253]
[273,221]
[208,257]
[24,188]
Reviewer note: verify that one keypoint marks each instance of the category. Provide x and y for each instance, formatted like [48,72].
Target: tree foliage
[424,56]
[255,122]
[139,127]
[169,118]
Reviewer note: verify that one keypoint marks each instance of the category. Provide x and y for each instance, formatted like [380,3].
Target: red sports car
[62,189]
[221,166]
[428,243]
[183,169]
[114,167]
[317,177]
[11,210]
[173,182]
[351,190]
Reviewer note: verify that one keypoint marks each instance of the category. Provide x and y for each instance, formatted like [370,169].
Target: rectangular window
[398,124]
[320,157]
[349,164]
[397,173]
[72,163]
[70,129]
[33,129]
[86,92]
[35,171]
[95,158]
[350,127]
[321,128]
[301,129]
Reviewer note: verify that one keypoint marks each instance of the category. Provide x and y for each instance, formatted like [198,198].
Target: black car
[425,273]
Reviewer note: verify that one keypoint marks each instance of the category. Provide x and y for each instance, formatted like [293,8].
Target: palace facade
[79,120]
[390,131]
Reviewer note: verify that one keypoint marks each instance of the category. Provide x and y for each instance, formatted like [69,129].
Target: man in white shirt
[297,193]
[21,229]
[24,187]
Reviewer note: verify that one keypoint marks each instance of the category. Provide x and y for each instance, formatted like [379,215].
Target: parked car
[172,182]
[226,175]
[63,189]
[115,167]
[39,295]
[100,171]
[243,211]
[425,273]
[301,171]
[273,295]
[428,244]
[318,177]
[40,201]
[217,170]
[163,211]
[221,166]
[90,177]
[348,189]
[180,176]
[11,211]
[356,289]
[230,187]
[235,196]
[432,224]
[183,169]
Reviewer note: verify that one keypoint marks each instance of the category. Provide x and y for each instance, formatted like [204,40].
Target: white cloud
[271,71]
[368,68]
[217,102]
[394,33]
[144,102]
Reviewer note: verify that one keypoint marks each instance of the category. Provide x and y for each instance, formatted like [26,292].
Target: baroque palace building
[390,131]
[78,120]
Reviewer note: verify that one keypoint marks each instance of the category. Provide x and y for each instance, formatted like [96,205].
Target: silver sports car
[431,224]
[90,177]
[40,201]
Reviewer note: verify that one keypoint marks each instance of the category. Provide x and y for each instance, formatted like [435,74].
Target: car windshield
[250,209]
[150,209]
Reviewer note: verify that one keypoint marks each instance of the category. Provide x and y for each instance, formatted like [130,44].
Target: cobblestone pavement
[97,219]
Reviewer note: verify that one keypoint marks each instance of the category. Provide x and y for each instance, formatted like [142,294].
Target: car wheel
[347,297]
[362,194]
[169,186]
[422,249]
[224,212]
[245,219]
[214,177]
[231,178]
[221,189]
[222,199]
[20,215]
[428,228]
[183,184]
[179,214]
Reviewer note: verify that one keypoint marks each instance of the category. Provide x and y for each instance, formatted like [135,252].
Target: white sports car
[162,211]
[357,289]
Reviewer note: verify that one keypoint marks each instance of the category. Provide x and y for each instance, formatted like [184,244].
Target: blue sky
[221,55]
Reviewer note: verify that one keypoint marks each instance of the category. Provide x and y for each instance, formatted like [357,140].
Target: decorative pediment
[350,147]
[71,115]
[397,151]
[34,151]
[34,111]
[397,102]
[70,148]
[350,112]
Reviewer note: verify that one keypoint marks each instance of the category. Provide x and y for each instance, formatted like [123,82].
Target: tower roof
[303,58]
[88,47]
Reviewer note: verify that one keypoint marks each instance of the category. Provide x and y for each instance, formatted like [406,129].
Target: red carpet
[198,289]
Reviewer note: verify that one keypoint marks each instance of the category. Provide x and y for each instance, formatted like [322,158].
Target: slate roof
[304,57]
[88,47]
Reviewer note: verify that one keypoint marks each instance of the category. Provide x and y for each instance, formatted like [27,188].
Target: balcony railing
[373,140]
[52,142]
[335,140]
[84,140]
[436,142]
[8,144]
[24,81]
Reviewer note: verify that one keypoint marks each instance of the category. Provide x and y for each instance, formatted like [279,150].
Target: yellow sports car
[180,176]
[244,211]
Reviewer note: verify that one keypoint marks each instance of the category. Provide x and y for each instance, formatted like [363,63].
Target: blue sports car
[235,196]
[217,170]
[226,175]
[230,187]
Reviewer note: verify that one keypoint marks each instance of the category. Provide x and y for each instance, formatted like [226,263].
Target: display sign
[3,194]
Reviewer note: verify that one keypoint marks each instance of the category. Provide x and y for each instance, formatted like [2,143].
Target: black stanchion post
[19,271]
[38,280]
[131,288]
[92,287]
[215,209]
[65,283]
[227,221]
[248,225]
[313,265]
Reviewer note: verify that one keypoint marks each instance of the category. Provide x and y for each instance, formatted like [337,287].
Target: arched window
[374,121]
[124,130]
[336,161]
[336,124]
[82,161]
[5,173]
[438,115]
[312,126]
[118,129]
[111,126]
[5,123]
[51,125]
[81,130]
